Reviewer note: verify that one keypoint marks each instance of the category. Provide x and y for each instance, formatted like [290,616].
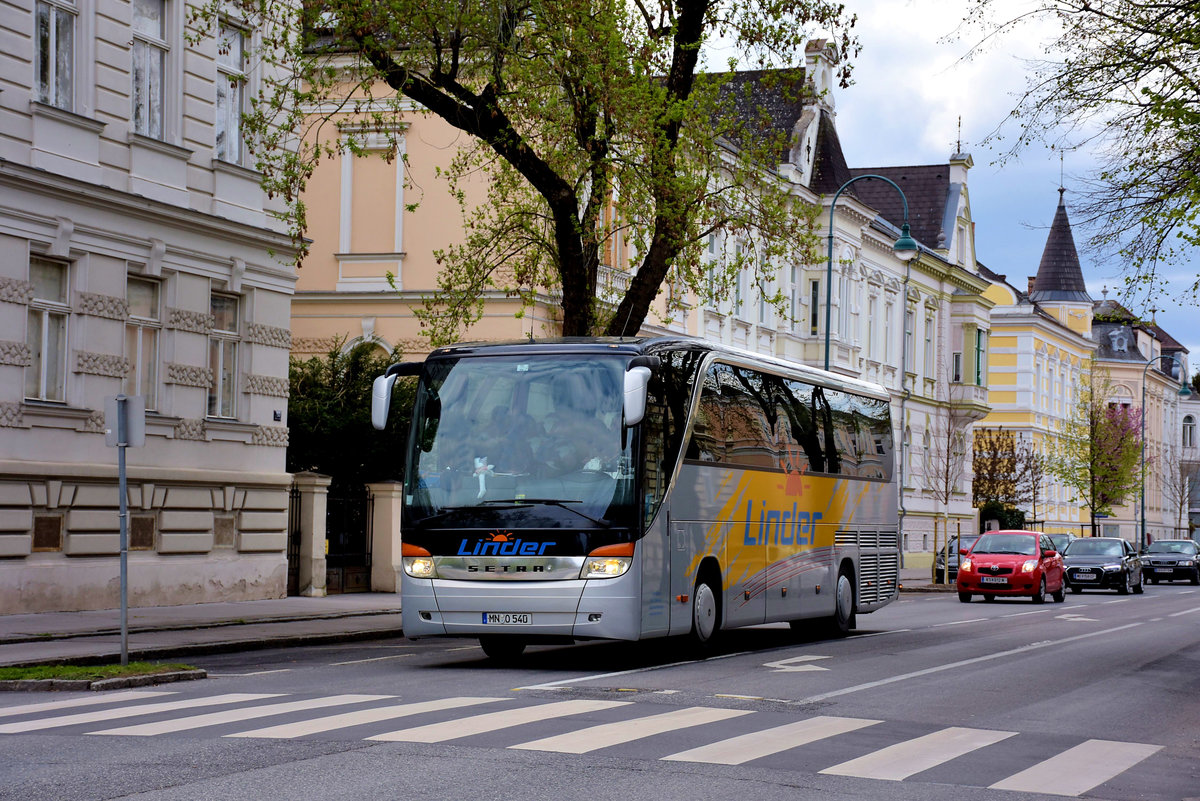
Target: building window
[887,333]
[909,363]
[956,368]
[222,356]
[929,366]
[46,376]
[231,85]
[141,339]
[872,303]
[1189,431]
[980,356]
[814,295]
[149,66]
[54,53]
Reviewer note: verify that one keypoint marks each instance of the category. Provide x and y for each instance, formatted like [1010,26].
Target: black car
[940,559]
[1172,560]
[1103,563]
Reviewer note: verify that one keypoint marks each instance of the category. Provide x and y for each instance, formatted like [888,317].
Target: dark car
[1021,563]
[1172,560]
[951,550]
[1061,541]
[1103,563]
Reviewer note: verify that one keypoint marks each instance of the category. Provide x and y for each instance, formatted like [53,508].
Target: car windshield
[1164,546]
[1091,547]
[1061,541]
[1025,544]
[498,435]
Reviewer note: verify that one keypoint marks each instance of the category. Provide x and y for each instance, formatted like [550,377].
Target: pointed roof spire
[1059,276]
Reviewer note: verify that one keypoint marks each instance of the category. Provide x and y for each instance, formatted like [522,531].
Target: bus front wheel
[502,649]
[706,613]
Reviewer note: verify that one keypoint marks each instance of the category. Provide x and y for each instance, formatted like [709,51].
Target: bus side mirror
[637,379]
[381,400]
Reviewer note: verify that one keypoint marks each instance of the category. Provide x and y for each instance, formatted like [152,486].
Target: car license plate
[1164,570]
[507,619]
[1081,576]
[993,580]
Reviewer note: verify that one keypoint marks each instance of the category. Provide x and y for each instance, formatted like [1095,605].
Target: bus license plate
[993,580]
[507,619]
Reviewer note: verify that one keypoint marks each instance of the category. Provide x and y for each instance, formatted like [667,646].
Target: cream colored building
[137,255]
[904,326]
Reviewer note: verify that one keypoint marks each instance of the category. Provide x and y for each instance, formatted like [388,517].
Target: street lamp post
[1184,392]
[905,248]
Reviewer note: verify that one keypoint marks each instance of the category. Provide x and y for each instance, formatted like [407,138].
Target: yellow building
[1041,346]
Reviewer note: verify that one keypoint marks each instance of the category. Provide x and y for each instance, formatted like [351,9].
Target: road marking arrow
[789,666]
[1074,617]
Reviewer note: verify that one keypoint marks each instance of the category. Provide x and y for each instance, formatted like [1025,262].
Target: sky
[911,87]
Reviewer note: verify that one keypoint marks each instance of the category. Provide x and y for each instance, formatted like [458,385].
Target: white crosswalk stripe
[737,750]
[361,717]
[92,700]
[904,759]
[1079,769]
[238,715]
[494,721]
[130,712]
[604,735]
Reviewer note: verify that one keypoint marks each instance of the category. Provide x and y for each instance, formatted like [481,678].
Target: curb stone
[117,683]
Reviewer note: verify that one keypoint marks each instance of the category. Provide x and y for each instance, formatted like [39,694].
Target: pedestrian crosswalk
[716,735]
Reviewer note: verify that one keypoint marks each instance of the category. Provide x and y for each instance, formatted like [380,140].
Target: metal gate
[348,534]
[293,543]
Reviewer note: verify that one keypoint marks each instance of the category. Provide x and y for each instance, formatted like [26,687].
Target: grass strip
[89,672]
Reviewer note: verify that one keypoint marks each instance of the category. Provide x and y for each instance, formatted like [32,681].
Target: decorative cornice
[189,375]
[269,335]
[10,416]
[266,385]
[107,306]
[271,436]
[191,429]
[191,321]
[105,364]
[15,353]
[13,290]
[314,345]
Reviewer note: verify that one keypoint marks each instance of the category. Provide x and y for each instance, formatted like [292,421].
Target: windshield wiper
[561,504]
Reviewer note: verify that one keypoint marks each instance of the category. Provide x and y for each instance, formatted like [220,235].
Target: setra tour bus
[624,489]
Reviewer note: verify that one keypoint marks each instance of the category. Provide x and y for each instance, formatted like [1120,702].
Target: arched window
[1189,431]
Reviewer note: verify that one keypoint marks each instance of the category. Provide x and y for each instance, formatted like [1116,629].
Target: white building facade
[138,255]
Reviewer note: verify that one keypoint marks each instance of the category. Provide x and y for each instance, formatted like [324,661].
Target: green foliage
[589,125]
[329,416]
[1008,517]
[1196,384]
[1122,78]
[1098,451]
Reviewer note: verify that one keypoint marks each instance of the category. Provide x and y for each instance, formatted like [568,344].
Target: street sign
[134,428]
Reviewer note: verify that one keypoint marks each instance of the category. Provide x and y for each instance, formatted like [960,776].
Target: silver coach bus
[635,488]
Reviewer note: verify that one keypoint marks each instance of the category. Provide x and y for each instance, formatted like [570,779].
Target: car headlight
[608,561]
[1112,568]
[965,567]
[1029,566]
[417,561]
[1187,563]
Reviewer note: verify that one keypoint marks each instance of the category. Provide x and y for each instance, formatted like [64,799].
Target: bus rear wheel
[502,649]
[706,613]
[844,617]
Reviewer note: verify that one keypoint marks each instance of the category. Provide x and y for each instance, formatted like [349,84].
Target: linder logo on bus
[502,543]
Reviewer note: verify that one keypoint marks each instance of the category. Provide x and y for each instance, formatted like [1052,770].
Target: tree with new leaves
[1098,450]
[586,119]
[1005,470]
[945,457]
[1122,78]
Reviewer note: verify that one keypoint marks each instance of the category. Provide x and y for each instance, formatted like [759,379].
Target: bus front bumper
[577,609]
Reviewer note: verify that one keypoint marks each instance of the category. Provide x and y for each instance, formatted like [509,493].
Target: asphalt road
[1098,697]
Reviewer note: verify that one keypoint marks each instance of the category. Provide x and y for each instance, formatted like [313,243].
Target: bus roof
[654,345]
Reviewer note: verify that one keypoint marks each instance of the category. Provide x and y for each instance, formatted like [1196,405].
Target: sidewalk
[177,632]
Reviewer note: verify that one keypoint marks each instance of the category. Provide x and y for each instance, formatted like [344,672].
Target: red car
[1022,563]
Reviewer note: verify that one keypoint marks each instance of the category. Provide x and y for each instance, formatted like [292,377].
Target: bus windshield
[528,440]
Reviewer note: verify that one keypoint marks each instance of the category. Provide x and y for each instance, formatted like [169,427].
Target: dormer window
[1119,340]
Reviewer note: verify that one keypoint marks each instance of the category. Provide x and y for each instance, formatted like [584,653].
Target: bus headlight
[608,561]
[417,561]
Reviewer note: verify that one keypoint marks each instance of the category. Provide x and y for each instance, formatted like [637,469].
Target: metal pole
[1142,537]
[122,443]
